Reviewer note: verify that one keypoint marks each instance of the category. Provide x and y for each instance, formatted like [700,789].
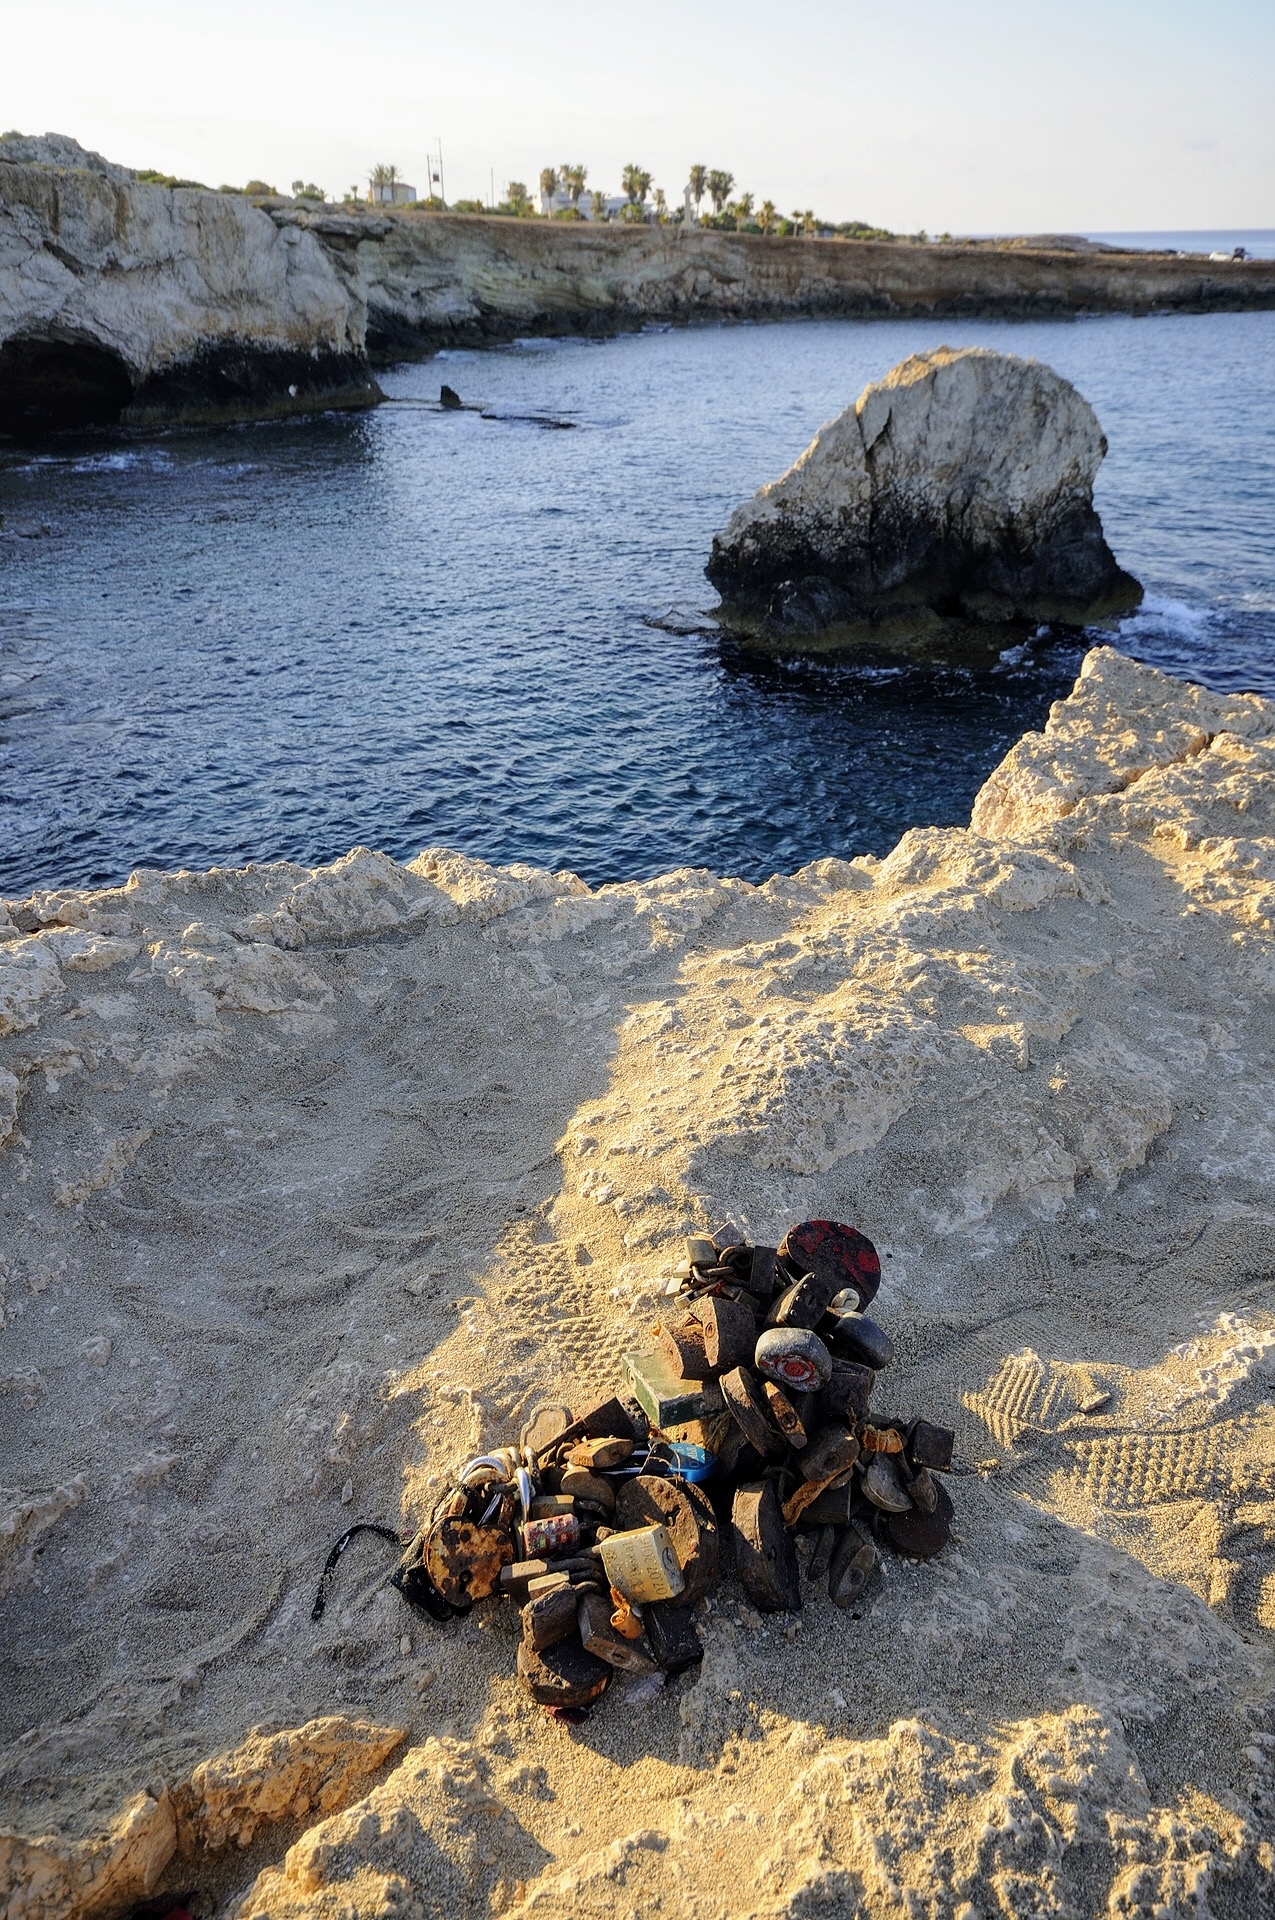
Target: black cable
[329,1569]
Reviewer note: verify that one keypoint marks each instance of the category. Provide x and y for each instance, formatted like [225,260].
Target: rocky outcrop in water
[960,485]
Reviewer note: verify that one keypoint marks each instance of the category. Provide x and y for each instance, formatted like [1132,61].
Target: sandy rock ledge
[315,1180]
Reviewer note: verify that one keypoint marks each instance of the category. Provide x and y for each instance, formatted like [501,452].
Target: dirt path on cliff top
[316,1181]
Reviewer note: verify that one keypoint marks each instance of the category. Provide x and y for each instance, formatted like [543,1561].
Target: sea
[490,629]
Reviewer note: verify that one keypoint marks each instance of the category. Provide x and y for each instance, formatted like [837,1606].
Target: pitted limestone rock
[961,484]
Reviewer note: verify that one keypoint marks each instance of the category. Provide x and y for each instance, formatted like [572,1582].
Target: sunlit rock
[960,485]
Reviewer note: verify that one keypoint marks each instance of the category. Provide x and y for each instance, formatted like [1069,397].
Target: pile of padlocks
[748,1418]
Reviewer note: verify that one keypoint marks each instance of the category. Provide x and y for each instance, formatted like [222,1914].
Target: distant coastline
[229,307]
[1257,242]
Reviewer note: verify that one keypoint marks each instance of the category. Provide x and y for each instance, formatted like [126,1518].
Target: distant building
[394,194]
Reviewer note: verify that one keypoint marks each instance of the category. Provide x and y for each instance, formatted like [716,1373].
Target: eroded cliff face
[122,301]
[431,279]
[315,1181]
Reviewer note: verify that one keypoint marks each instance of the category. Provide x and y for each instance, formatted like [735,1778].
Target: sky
[992,116]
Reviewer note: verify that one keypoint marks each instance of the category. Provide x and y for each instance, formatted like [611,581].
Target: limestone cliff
[961,484]
[434,279]
[121,300]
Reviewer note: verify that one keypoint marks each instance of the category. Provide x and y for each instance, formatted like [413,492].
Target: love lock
[794,1358]
[834,1253]
[765,1554]
[686,1514]
[464,1560]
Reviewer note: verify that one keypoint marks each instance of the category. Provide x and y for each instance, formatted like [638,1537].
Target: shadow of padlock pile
[750,1415]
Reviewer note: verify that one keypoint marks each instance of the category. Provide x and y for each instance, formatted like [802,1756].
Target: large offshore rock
[961,484]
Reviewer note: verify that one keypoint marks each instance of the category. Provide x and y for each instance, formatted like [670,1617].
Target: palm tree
[598,201]
[697,180]
[719,185]
[808,220]
[384,176]
[573,179]
[636,183]
[548,186]
[767,216]
[742,209]
[661,205]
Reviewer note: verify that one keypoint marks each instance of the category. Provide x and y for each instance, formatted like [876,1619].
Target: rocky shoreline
[126,303]
[315,1182]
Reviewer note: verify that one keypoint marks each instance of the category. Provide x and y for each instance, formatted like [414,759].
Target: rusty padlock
[600,1455]
[784,1414]
[930,1446]
[832,1449]
[599,1637]
[673,1636]
[883,1484]
[563,1675]
[679,1339]
[686,1512]
[853,1559]
[728,1333]
[464,1560]
[742,1392]
[922,1535]
[550,1616]
[765,1553]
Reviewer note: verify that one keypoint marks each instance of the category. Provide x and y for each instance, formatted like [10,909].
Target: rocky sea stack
[961,485]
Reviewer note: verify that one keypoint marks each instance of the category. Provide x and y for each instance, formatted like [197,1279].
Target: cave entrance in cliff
[48,386]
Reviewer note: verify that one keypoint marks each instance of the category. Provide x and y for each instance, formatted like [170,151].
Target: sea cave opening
[49,386]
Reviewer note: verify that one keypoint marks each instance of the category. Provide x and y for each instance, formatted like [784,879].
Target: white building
[393,194]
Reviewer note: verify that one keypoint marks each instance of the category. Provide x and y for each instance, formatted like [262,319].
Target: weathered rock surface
[432,280]
[961,484]
[274,1779]
[124,300]
[318,1180]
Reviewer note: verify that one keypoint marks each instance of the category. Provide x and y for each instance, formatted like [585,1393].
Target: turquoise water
[409,627]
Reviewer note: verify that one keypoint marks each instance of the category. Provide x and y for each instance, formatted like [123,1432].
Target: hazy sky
[994,115]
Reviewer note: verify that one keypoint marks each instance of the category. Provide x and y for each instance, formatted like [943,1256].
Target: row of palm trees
[711,183]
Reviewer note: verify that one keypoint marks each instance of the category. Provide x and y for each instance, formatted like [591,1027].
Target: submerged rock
[961,484]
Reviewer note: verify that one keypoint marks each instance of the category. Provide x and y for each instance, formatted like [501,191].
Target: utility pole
[442,187]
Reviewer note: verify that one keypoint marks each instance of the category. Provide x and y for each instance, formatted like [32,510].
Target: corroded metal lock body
[642,1564]
[794,1358]
[557,1533]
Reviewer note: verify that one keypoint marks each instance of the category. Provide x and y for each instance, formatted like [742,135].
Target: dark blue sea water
[409,627]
